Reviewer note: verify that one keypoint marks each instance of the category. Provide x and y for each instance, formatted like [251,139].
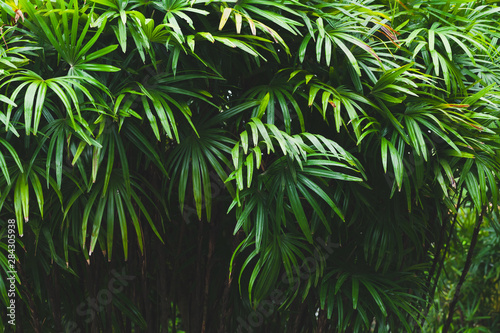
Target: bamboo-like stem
[467,265]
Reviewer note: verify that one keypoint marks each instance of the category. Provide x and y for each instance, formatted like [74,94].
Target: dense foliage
[250,165]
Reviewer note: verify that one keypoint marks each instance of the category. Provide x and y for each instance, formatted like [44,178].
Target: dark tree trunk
[162,281]
[322,322]
[28,293]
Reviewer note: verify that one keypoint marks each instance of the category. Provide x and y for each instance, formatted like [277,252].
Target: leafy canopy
[232,139]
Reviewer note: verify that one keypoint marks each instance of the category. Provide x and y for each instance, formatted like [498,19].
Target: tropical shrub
[250,165]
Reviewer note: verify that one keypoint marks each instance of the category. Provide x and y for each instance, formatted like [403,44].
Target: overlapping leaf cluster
[357,123]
